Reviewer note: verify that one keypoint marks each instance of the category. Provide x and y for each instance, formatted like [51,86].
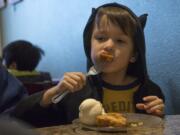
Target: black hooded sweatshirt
[67,109]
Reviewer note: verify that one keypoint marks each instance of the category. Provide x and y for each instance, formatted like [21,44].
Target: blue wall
[57,26]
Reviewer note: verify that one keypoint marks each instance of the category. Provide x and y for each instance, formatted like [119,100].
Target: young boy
[122,84]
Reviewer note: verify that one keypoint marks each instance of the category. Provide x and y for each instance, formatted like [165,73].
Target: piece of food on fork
[106,56]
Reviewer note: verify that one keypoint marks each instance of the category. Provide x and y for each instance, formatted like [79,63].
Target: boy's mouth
[107,57]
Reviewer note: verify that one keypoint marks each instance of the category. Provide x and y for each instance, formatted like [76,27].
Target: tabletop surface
[171,127]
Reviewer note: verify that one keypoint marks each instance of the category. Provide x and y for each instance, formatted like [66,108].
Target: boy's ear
[143,19]
[134,58]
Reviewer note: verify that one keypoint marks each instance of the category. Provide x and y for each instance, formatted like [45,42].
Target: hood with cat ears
[139,68]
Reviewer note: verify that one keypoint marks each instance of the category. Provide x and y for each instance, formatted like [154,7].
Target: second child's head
[22,55]
[114,31]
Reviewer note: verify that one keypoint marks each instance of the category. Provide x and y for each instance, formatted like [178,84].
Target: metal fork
[57,98]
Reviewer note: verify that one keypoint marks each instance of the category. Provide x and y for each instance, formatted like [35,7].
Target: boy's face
[110,39]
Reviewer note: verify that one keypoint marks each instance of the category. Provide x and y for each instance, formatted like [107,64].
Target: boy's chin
[100,68]
[107,70]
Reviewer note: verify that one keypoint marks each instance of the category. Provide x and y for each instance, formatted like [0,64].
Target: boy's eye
[100,38]
[119,41]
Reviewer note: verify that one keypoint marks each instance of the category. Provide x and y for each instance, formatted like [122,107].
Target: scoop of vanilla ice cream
[88,110]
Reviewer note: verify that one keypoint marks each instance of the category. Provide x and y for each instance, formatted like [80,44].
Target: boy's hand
[71,81]
[153,105]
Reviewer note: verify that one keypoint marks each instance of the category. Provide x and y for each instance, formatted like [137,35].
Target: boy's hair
[117,16]
[123,17]
[26,55]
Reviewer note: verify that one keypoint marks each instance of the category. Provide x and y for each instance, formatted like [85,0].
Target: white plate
[142,122]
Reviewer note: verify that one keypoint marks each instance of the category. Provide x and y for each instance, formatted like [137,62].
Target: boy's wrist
[48,95]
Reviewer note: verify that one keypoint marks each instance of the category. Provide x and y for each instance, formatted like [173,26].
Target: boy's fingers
[80,78]
[81,75]
[157,107]
[159,113]
[69,81]
[75,76]
[150,98]
[154,103]
[75,79]
[140,106]
[67,85]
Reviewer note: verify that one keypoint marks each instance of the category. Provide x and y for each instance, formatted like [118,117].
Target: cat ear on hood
[143,19]
[93,10]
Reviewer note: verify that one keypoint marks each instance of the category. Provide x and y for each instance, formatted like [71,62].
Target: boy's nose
[109,45]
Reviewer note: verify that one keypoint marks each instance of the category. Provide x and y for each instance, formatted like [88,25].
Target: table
[171,127]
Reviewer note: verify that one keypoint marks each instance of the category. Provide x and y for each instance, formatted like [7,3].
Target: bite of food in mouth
[105,56]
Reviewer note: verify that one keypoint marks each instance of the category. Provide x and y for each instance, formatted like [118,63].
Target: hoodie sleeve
[148,89]
[11,91]
[154,89]
[30,111]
